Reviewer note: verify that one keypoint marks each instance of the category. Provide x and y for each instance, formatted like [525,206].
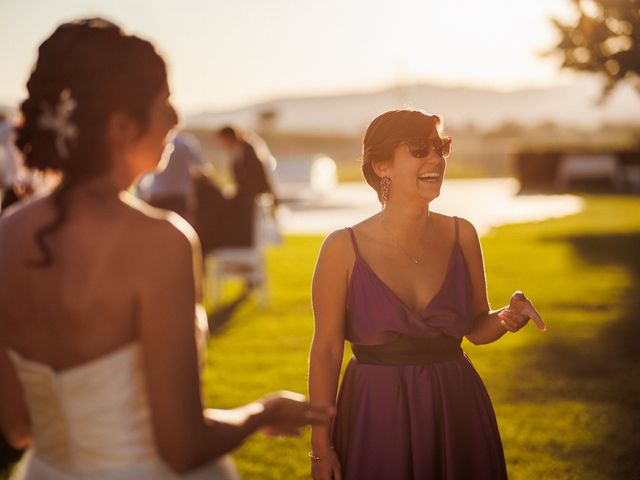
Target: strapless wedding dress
[93,421]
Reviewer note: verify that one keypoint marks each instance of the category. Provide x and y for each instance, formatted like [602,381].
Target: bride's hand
[287,412]
[519,312]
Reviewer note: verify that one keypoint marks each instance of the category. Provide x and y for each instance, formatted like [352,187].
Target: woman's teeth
[429,177]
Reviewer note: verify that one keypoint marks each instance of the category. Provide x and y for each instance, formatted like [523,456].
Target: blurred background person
[251,180]
[172,186]
[12,174]
[215,214]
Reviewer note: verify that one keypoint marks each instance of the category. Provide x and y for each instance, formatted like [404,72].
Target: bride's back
[71,331]
[82,305]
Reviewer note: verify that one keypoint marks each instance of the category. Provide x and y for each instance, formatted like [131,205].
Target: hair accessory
[58,121]
[385,188]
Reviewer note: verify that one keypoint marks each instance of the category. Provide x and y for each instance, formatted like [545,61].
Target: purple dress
[411,405]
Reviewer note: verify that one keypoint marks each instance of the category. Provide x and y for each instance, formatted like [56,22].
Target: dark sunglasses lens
[442,146]
[419,149]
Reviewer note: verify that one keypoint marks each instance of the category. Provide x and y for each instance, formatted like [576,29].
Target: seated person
[171,187]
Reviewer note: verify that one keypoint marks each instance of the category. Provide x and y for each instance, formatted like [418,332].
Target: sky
[227,54]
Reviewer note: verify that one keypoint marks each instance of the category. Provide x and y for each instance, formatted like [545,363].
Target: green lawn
[567,401]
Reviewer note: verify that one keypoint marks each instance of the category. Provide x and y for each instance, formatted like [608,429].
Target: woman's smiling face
[417,169]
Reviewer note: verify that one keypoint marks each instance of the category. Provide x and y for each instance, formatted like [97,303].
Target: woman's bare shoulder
[157,227]
[467,235]
[466,229]
[25,213]
[337,242]
[338,249]
[344,240]
[468,232]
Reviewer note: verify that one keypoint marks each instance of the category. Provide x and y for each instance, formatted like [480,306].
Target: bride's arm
[185,435]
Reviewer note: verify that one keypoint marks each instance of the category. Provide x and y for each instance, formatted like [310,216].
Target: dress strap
[353,241]
[455,221]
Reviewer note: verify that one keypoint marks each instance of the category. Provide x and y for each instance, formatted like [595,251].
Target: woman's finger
[337,475]
[516,317]
[515,320]
[507,326]
[510,327]
[521,303]
[535,316]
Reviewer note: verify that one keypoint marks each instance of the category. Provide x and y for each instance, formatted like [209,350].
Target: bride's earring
[385,189]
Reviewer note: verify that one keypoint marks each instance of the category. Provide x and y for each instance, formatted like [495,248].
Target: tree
[604,39]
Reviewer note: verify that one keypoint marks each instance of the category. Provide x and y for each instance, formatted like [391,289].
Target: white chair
[244,263]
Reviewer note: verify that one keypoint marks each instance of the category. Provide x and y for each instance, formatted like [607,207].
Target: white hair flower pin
[58,121]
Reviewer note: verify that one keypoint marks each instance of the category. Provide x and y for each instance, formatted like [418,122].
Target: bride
[99,361]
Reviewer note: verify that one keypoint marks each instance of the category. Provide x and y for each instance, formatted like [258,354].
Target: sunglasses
[421,148]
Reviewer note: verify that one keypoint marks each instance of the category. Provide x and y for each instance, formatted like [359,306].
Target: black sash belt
[410,351]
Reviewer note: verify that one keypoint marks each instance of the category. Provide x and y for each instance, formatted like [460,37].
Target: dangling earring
[385,188]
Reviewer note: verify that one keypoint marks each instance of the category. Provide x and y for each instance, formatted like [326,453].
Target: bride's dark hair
[102,70]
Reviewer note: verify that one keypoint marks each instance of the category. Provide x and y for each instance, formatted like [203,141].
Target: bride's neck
[102,188]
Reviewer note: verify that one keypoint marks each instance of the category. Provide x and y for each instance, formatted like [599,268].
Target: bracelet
[316,458]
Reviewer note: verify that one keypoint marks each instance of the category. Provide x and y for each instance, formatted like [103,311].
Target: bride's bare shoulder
[26,213]
[157,233]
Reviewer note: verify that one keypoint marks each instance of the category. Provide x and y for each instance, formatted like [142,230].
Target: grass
[567,401]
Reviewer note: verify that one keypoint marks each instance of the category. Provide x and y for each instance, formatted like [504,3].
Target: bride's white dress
[93,422]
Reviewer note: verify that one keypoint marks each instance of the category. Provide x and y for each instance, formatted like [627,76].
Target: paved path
[485,202]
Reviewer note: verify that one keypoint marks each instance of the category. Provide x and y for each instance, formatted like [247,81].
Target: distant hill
[573,104]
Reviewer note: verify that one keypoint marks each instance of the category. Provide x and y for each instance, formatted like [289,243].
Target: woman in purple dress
[404,287]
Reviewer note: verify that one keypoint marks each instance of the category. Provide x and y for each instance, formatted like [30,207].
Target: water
[485,202]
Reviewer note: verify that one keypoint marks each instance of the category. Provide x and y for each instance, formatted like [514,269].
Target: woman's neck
[405,221]
[102,187]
